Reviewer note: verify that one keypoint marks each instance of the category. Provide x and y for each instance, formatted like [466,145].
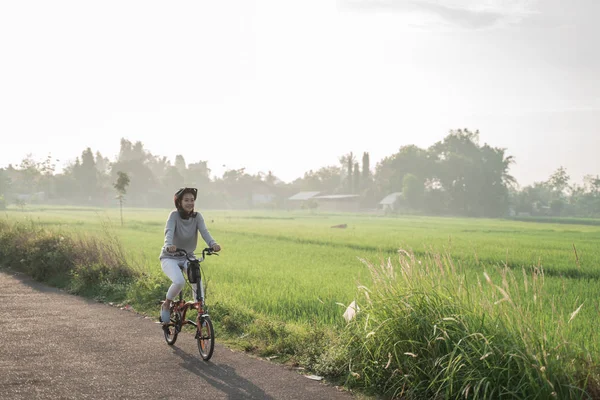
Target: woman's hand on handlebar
[171,249]
[216,247]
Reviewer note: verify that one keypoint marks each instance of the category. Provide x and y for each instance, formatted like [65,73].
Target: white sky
[290,86]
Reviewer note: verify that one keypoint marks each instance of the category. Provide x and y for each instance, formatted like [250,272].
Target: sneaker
[165,316]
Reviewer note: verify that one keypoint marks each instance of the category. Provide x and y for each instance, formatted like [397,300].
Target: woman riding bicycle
[181,231]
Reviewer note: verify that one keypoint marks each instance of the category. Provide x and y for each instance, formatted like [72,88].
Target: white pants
[170,266]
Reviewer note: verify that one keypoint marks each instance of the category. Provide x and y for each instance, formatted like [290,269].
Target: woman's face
[187,202]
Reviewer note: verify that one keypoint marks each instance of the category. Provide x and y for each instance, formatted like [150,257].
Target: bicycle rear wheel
[205,335]
[171,331]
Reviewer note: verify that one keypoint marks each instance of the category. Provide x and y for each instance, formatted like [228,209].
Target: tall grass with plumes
[426,329]
[86,264]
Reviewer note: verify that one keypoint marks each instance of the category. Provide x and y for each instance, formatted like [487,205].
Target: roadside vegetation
[447,307]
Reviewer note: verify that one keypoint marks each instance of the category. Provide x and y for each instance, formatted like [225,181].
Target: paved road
[58,346]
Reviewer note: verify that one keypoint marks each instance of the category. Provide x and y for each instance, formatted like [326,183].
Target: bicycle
[205,334]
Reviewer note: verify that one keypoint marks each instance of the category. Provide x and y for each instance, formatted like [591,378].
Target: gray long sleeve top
[183,233]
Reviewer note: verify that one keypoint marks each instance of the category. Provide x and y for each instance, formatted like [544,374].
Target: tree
[413,190]
[121,187]
[559,182]
[238,185]
[592,184]
[475,177]
[366,178]
[458,171]
[349,169]
[27,176]
[180,164]
[497,181]
[87,175]
[135,162]
[103,177]
[173,179]
[347,161]
[557,206]
[126,151]
[102,164]
[584,200]
[4,182]
[197,174]
[139,153]
[21,203]
[389,172]
[356,179]
[47,168]
[531,198]
[271,179]
[366,171]
[326,179]
[132,152]
[158,166]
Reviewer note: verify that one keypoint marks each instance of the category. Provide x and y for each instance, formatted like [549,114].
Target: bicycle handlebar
[207,251]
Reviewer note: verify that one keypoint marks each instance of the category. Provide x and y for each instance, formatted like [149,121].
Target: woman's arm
[170,230]
[204,232]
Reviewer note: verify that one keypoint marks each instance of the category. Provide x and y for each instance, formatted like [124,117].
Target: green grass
[295,266]
[292,269]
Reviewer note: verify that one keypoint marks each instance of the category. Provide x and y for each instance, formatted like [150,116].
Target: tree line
[456,176]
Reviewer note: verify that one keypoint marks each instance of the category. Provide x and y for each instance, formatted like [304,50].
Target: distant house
[390,202]
[259,199]
[301,196]
[24,197]
[330,202]
[300,200]
[32,198]
[338,202]
[263,195]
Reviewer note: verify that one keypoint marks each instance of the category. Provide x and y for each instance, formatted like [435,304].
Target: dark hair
[177,200]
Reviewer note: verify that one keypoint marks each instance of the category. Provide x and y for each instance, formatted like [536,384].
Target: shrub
[146,291]
[83,264]
[425,331]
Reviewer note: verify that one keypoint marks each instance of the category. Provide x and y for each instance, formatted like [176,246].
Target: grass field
[294,267]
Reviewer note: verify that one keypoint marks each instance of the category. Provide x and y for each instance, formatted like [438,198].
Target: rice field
[295,267]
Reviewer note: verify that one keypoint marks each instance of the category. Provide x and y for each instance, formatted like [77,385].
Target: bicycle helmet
[179,196]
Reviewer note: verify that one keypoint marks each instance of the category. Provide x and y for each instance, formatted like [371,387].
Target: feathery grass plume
[424,332]
[575,312]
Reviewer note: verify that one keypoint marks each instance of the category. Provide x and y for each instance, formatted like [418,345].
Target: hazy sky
[227,81]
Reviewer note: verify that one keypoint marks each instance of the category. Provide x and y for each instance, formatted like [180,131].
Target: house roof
[390,198]
[303,195]
[337,196]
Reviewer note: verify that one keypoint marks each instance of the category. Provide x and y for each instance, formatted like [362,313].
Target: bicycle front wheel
[172,330]
[205,335]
